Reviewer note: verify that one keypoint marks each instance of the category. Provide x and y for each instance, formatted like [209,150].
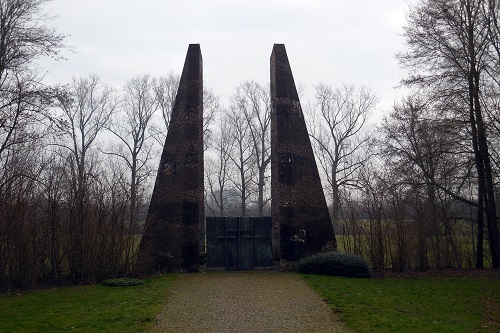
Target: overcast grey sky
[328,41]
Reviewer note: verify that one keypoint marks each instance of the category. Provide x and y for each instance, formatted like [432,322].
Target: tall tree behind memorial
[449,55]
[132,129]
[86,111]
[425,153]
[165,89]
[338,130]
[241,155]
[23,99]
[218,168]
[252,100]
[24,124]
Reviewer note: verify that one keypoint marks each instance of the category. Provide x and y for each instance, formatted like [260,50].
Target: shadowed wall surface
[175,221]
[299,211]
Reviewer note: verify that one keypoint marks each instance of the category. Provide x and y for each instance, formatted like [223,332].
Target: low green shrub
[123,282]
[335,264]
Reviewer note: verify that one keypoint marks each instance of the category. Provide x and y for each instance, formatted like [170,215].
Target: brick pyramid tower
[299,211]
[174,229]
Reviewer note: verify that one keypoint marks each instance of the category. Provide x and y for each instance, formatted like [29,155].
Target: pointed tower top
[282,83]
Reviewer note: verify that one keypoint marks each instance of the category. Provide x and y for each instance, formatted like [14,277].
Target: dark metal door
[239,242]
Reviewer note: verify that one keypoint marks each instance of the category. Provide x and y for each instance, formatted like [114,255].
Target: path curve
[249,301]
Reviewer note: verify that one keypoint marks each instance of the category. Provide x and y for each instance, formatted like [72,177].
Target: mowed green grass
[93,308]
[364,305]
[413,305]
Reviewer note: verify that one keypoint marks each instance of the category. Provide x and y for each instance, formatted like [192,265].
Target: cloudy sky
[327,41]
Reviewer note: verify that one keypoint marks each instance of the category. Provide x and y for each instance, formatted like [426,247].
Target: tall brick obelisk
[299,209]
[174,228]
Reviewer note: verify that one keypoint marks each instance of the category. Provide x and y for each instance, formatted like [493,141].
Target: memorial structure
[174,231]
[301,222]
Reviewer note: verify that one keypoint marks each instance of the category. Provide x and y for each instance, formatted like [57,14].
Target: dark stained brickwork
[174,229]
[301,222]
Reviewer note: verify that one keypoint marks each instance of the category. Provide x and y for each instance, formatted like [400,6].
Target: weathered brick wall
[299,209]
[175,221]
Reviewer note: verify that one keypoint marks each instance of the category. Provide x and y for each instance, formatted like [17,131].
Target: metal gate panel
[262,234]
[239,242]
[216,242]
[232,243]
[246,243]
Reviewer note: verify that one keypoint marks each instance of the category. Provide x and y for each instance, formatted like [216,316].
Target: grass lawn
[413,305]
[89,309]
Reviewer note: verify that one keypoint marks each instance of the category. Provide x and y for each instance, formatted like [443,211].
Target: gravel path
[249,301]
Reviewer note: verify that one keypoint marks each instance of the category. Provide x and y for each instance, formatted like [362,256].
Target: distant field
[87,309]
[413,305]
[359,244]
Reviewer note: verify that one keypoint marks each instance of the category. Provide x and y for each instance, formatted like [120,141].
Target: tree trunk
[260,199]
[336,215]
[483,164]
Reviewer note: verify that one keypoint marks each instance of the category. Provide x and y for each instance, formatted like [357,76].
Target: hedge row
[334,263]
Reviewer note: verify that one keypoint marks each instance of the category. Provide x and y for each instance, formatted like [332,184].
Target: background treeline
[416,189]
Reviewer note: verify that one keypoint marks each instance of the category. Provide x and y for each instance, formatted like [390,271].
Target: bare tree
[374,188]
[449,56]
[131,128]
[338,129]
[25,123]
[241,156]
[491,15]
[23,98]
[166,91]
[86,111]
[253,101]
[218,168]
[23,38]
[434,168]
[492,111]
[165,88]
[211,106]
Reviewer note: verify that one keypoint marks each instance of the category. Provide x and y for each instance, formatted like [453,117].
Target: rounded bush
[335,264]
